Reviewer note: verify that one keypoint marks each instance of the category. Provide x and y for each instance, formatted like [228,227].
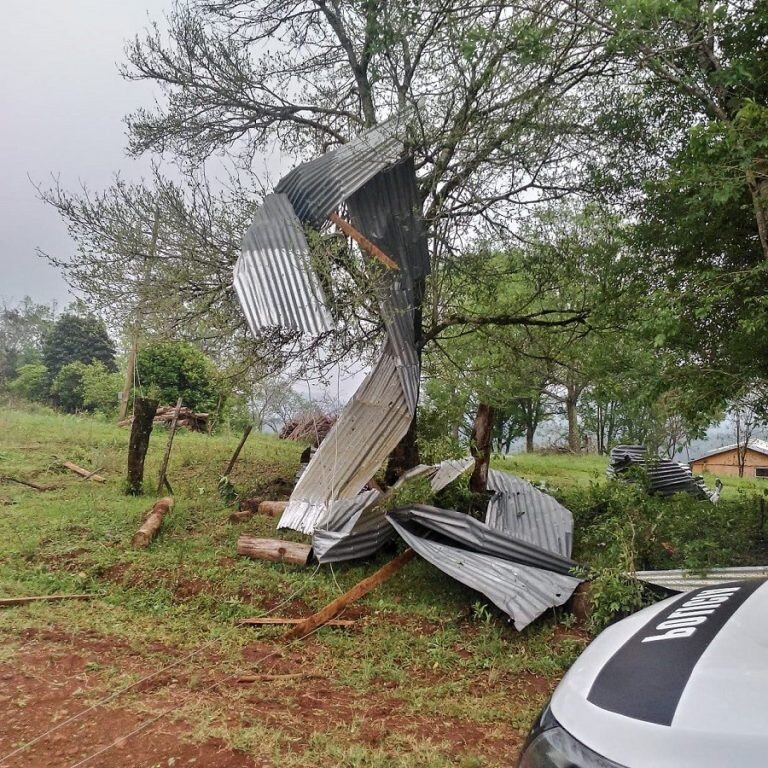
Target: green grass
[417,653]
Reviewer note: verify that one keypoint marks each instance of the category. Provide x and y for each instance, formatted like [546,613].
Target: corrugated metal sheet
[520,509]
[369,428]
[449,470]
[354,528]
[522,591]
[317,187]
[665,477]
[273,279]
[684,581]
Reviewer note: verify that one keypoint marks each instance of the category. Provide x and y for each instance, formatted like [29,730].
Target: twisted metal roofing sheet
[367,431]
[522,591]
[319,186]
[520,509]
[665,477]
[449,470]
[684,581]
[273,278]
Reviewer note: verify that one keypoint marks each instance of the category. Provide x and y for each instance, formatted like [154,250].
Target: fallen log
[9,601]
[84,473]
[152,524]
[340,603]
[274,550]
[260,621]
[272,508]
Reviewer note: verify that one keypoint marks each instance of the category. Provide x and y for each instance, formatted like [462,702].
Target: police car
[680,684]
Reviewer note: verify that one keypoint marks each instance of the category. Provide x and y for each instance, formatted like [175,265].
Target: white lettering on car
[685,619]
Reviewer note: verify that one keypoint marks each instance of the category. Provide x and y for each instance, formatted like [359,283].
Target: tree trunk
[130,368]
[152,524]
[574,437]
[530,429]
[480,447]
[144,414]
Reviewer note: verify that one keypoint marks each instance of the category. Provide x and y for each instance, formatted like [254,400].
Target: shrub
[67,387]
[31,382]
[100,388]
[176,369]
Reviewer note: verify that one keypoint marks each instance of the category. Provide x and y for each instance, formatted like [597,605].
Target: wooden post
[237,450]
[144,414]
[152,524]
[167,455]
[274,550]
[340,603]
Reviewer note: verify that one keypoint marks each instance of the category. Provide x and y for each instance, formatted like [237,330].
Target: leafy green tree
[22,328]
[177,369]
[67,387]
[77,338]
[32,382]
[100,388]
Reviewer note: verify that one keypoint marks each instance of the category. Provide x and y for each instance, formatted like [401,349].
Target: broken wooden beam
[9,601]
[239,448]
[274,550]
[84,473]
[28,483]
[162,480]
[370,248]
[152,524]
[261,621]
[340,603]
[245,679]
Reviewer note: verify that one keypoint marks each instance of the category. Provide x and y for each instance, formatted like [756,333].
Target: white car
[680,684]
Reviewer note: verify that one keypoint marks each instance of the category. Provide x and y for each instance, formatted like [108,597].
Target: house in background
[725,460]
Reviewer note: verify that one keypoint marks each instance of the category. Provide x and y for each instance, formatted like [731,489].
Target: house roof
[760,446]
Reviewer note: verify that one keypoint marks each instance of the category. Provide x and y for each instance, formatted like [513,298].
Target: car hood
[681,683]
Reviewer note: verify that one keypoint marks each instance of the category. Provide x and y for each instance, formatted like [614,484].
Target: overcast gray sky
[62,102]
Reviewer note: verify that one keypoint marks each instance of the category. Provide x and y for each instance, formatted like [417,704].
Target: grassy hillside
[426,677]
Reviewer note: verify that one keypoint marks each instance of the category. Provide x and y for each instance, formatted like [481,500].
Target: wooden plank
[260,621]
[84,473]
[340,603]
[274,550]
[245,679]
[167,455]
[370,248]
[239,448]
[9,601]
[152,524]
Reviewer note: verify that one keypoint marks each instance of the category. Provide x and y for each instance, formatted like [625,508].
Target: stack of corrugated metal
[665,477]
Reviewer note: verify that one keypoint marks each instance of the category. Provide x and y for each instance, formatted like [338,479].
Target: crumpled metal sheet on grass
[273,279]
[685,581]
[522,591]
[520,509]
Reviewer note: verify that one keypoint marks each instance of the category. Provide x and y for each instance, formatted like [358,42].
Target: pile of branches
[309,428]
[197,422]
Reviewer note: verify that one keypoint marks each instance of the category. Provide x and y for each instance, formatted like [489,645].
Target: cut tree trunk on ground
[261,621]
[152,524]
[274,550]
[272,508]
[141,429]
[84,473]
[9,601]
[239,448]
[340,603]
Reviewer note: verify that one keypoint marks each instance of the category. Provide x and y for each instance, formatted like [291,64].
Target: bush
[176,369]
[31,382]
[101,389]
